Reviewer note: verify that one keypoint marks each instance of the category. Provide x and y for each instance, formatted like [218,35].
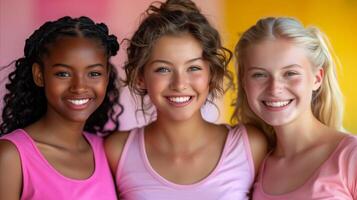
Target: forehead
[275,53]
[176,47]
[72,48]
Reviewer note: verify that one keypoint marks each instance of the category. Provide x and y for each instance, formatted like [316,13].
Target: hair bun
[186,6]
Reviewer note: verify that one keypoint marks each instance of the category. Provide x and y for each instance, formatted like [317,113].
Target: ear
[37,75]
[319,77]
[141,82]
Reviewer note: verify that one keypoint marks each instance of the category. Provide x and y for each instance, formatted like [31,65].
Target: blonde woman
[288,87]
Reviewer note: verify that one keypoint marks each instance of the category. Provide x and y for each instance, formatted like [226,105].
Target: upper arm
[114,145]
[10,171]
[258,144]
[351,175]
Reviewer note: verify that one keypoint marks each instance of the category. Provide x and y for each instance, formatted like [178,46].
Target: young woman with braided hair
[61,90]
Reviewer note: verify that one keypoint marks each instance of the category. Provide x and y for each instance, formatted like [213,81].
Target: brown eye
[62,74]
[95,74]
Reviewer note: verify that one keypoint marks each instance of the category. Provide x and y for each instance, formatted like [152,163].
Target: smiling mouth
[277,104]
[180,100]
[79,102]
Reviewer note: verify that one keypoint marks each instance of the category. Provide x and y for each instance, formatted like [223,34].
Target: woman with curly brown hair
[176,60]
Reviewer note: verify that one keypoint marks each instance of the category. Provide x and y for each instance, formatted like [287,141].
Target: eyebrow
[285,67]
[168,62]
[69,66]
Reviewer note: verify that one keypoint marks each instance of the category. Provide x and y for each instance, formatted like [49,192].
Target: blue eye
[162,70]
[194,68]
[258,75]
[291,73]
[62,74]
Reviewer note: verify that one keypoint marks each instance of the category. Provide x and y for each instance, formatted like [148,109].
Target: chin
[281,121]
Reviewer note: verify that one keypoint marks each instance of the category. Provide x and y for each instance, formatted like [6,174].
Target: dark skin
[75,77]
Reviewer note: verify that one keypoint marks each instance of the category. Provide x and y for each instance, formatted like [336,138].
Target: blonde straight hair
[327,101]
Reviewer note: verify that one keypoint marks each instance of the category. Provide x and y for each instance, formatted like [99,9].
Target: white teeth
[276,103]
[179,99]
[78,101]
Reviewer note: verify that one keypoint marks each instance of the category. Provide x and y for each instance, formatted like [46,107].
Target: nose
[78,84]
[276,85]
[179,81]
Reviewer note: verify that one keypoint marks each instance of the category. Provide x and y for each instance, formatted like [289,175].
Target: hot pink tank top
[335,179]
[42,181]
[230,180]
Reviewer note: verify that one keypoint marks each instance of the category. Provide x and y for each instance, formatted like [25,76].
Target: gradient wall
[18,19]
[337,18]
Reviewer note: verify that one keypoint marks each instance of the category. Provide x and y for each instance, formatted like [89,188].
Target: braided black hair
[24,102]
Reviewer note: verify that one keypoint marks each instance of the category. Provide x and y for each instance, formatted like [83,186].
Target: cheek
[301,86]
[54,86]
[252,89]
[200,81]
[156,84]
[100,87]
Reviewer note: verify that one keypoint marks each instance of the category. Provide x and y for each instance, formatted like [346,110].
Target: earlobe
[319,77]
[37,75]
[141,83]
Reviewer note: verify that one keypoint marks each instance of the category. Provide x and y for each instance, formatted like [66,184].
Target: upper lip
[275,99]
[79,97]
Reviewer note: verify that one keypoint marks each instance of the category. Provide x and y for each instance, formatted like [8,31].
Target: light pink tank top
[42,181]
[230,180]
[335,179]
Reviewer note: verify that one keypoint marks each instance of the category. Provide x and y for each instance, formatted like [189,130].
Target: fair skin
[179,143]
[279,80]
[75,78]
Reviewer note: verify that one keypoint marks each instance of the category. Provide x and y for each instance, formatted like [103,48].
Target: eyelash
[258,75]
[162,70]
[194,68]
[67,74]
[94,74]
[62,74]
[291,73]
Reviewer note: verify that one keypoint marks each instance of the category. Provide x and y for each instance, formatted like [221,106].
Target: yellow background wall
[337,18]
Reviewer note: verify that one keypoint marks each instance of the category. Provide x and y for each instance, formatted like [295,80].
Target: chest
[186,168]
[287,175]
[71,164]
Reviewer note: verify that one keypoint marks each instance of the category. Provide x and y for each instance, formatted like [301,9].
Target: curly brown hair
[176,17]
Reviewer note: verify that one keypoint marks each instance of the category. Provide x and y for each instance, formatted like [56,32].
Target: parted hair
[327,101]
[25,102]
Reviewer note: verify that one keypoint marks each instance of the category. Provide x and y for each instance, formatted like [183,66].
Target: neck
[57,131]
[178,136]
[299,135]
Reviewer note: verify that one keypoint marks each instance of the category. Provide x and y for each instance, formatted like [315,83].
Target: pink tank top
[335,179]
[230,180]
[42,181]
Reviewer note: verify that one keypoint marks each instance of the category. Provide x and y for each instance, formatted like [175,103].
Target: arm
[10,172]
[351,175]
[114,145]
[258,144]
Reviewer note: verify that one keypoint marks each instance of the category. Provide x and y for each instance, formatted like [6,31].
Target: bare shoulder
[114,145]
[258,144]
[10,171]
